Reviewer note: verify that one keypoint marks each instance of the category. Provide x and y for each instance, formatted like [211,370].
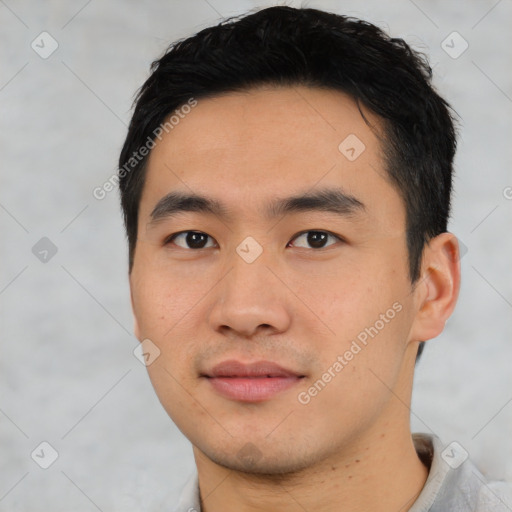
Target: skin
[296,305]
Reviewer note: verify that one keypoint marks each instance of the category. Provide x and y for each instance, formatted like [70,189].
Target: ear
[136,328]
[437,288]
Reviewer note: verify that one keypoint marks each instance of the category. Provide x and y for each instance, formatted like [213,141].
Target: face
[278,295]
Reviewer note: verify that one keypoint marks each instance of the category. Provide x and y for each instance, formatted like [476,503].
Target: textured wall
[68,374]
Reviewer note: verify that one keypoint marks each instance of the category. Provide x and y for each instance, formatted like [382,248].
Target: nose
[250,300]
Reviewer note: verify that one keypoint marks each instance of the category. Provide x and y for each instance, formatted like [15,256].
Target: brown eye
[192,240]
[315,239]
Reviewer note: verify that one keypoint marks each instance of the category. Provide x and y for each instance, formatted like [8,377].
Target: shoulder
[495,496]
[454,483]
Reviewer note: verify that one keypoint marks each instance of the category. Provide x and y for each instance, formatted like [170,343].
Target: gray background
[68,374]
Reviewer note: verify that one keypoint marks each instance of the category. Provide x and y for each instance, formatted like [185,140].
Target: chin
[266,461]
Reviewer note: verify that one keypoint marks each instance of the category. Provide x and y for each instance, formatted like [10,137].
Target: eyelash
[172,237]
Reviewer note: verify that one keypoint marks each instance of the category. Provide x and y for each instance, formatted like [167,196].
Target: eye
[315,239]
[191,240]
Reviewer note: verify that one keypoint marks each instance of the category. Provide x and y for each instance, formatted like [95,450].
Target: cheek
[162,300]
[174,390]
[342,297]
[163,306]
[359,368]
[368,317]
[166,306]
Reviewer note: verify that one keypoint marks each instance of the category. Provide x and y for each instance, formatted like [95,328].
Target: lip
[252,382]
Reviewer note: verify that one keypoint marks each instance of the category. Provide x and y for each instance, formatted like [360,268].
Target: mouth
[254,382]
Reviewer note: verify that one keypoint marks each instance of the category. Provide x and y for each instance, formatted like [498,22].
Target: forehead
[247,146]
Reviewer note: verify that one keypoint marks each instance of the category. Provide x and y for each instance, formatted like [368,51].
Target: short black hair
[286,46]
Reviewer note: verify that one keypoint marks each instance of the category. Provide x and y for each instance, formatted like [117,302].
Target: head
[285,184]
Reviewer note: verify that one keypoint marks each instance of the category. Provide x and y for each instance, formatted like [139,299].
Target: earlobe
[437,289]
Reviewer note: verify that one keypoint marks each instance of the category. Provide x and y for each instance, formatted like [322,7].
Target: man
[286,185]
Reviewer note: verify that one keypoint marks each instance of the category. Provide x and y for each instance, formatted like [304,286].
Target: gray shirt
[454,484]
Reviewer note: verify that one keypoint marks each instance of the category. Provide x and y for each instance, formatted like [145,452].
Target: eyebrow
[332,200]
